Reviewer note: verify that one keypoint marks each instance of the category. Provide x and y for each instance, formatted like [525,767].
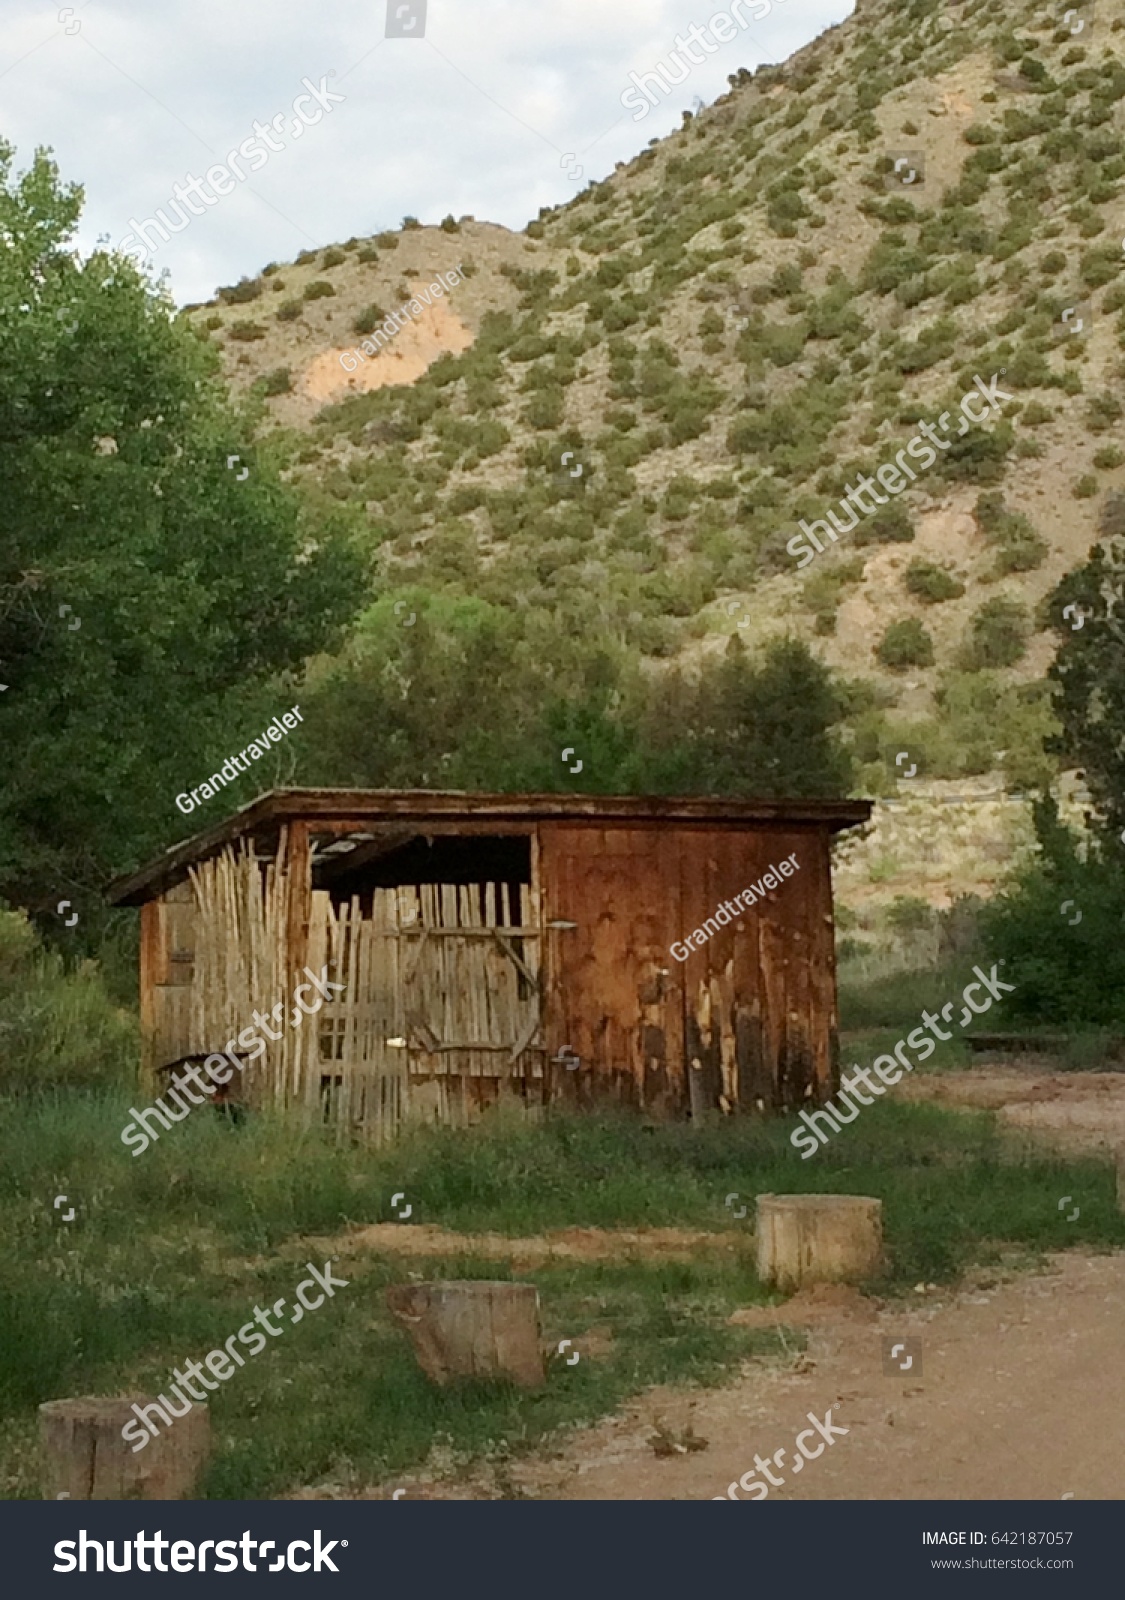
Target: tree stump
[818,1238]
[86,1458]
[472,1329]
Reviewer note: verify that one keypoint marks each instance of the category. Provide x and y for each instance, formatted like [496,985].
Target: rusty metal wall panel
[747,1022]
[611,996]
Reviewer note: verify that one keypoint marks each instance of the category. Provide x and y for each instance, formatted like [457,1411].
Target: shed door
[441,1010]
[471,995]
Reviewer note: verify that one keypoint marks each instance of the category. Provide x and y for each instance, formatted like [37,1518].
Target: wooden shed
[672,955]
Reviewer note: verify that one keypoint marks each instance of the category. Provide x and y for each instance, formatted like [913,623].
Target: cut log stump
[472,1329]
[85,1457]
[818,1238]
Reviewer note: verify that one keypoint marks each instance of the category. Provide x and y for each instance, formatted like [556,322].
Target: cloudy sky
[485,107]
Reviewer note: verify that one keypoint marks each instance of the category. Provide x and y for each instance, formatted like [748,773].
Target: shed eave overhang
[421,806]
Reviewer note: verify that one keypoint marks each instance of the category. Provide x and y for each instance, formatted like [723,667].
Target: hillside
[726,333]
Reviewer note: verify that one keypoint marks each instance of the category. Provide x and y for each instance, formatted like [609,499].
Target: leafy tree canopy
[189,591]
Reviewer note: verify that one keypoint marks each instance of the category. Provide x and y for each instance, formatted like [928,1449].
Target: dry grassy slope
[943,73]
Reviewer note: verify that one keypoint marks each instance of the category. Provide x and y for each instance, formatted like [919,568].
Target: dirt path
[1021,1396]
[564,1244]
[1079,1113]
[1020,1392]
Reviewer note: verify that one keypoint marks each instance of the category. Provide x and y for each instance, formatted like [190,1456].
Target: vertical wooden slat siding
[485,993]
[756,1003]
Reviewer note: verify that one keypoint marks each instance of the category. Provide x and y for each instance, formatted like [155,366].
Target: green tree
[148,594]
[765,730]
[1088,675]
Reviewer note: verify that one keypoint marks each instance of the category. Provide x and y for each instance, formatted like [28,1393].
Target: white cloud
[476,117]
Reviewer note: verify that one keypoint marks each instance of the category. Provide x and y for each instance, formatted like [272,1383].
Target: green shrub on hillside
[318,290]
[1065,972]
[1018,547]
[997,635]
[367,320]
[783,342]
[278,381]
[892,525]
[244,290]
[978,456]
[932,583]
[905,643]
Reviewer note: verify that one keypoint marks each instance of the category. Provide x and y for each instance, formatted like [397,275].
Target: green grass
[171,1251]
[896,998]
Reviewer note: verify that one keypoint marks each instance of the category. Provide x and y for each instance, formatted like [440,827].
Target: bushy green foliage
[318,289]
[58,1029]
[928,581]
[193,590]
[978,456]
[905,643]
[245,289]
[367,320]
[997,634]
[1018,547]
[890,525]
[738,727]
[1065,972]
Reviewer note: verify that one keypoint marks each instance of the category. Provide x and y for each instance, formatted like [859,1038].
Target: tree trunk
[818,1238]
[472,1329]
[86,1458]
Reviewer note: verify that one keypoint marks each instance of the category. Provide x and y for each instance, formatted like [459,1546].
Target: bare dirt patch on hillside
[438,331]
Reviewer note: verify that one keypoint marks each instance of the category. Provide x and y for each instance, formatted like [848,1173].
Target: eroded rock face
[437,331]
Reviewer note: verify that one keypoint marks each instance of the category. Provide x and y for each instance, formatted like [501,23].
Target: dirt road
[1021,1395]
[1020,1392]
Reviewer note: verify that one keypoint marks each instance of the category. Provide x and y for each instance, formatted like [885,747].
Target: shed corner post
[298,901]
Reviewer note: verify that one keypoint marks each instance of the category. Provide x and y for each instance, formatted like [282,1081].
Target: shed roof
[420,806]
